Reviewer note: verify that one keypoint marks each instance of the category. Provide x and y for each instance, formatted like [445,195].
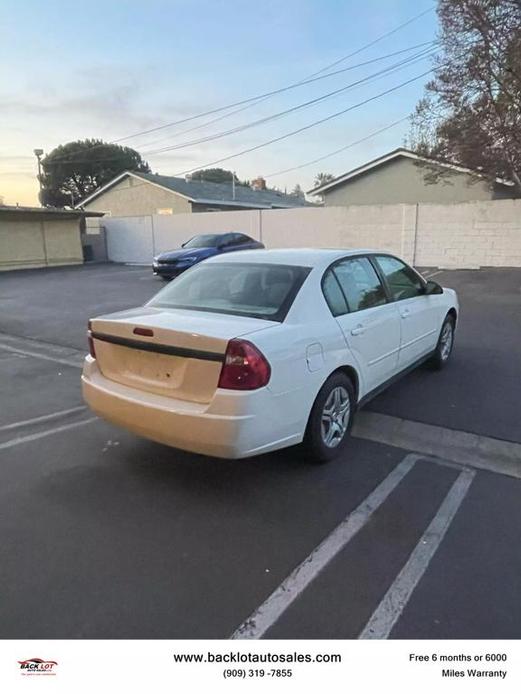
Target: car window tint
[203,241]
[227,240]
[240,239]
[360,283]
[403,282]
[249,289]
[333,294]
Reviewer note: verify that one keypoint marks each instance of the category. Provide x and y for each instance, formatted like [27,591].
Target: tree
[297,191]
[322,178]
[471,112]
[73,171]
[217,176]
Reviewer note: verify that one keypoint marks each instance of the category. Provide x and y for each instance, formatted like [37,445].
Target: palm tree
[322,178]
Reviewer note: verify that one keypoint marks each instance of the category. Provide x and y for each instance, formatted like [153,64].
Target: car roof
[307,257]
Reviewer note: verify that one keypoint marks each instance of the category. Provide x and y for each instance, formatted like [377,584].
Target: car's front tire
[330,420]
[445,343]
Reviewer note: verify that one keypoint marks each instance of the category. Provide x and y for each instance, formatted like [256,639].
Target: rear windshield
[258,290]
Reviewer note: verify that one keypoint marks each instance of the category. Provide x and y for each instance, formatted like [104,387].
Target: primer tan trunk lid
[182,358]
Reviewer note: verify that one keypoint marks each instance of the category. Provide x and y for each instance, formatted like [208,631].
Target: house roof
[210,193]
[47,212]
[390,156]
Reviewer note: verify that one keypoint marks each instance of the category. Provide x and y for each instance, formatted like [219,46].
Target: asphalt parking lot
[105,535]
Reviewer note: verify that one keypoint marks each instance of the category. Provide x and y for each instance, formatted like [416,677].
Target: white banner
[168,667]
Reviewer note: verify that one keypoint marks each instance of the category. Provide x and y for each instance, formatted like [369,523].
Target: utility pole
[39,153]
[233,185]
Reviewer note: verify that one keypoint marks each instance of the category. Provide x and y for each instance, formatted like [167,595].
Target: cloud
[104,100]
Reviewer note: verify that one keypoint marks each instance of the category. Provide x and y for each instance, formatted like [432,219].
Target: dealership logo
[37,666]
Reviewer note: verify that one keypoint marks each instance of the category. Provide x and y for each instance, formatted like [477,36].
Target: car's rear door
[370,323]
[419,312]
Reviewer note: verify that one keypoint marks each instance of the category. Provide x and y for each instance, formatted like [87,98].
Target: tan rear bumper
[225,428]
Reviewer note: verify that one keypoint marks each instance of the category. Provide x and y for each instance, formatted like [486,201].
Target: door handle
[359,330]
[405,313]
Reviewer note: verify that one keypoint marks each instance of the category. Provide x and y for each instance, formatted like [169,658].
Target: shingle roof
[395,154]
[205,191]
[47,211]
[214,193]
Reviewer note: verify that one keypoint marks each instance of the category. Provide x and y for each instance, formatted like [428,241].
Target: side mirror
[433,288]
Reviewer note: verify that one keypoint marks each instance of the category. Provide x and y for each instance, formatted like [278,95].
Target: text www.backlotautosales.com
[244,665]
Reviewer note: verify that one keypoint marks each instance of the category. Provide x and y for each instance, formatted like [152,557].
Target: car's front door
[418,311]
[370,323]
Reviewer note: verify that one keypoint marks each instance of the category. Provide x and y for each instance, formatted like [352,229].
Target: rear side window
[258,290]
[403,282]
[333,294]
[360,283]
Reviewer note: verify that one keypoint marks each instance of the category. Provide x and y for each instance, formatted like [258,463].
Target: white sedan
[253,351]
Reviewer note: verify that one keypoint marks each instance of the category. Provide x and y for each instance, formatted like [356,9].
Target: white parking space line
[433,274]
[279,601]
[45,357]
[43,434]
[394,601]
[43,418]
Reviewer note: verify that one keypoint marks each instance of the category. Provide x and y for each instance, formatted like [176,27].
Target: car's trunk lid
[168,351]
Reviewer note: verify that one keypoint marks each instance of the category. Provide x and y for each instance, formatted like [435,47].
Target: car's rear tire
[330,420]
[445,343]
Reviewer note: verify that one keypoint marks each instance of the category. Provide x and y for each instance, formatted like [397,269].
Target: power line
[259,97]
[306,127]
[341,149]
[302,83]
[282,89]
[246,126]
[410,60]
[377,40]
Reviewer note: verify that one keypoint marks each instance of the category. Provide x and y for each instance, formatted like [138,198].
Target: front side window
[204,241]
[241,239]
[359,283]
[403,282]
[259,290]
[227,240]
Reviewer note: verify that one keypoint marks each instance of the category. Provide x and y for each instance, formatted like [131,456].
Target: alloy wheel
[446,341]
[335,417]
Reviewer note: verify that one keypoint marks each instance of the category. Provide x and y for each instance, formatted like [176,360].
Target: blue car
[172,263]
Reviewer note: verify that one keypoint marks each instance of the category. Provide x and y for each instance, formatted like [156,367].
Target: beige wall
[465,235]
[402,181]
[132,197]
[26,241]
[137,239]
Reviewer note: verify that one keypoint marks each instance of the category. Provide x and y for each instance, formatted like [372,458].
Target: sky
[113,68]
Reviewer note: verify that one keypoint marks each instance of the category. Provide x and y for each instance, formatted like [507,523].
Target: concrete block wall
[170,231]
[460,235]
[468,235]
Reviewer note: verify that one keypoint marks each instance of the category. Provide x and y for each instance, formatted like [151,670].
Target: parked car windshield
[258,290]
[204,241]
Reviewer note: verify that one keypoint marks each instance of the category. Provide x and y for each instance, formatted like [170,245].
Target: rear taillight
[244,368]
[92,350]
